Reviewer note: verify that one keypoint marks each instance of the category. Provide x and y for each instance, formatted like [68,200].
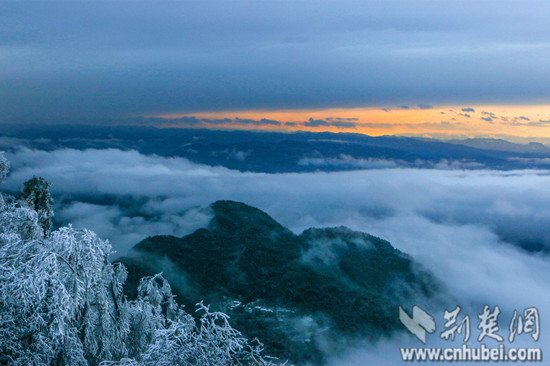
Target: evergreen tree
[36,194]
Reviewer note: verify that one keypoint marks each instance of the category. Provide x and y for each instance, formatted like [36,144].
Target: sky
[376,67]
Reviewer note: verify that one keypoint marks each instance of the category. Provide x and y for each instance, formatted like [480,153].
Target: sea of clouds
[451,221]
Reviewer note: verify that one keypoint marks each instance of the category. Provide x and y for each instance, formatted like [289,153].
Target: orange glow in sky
[495,121]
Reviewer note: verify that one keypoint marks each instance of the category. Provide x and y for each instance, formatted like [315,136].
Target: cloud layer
[451,221]
[83,61]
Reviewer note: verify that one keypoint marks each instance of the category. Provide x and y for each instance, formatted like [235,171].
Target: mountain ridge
[279,152]
[502,145]
[290,291]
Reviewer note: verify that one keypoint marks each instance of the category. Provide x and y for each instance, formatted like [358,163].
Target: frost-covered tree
[62,303]
[4,167]
[170,336]
[58,300]
[36,194]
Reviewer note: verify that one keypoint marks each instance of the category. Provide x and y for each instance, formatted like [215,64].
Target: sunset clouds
[516,123]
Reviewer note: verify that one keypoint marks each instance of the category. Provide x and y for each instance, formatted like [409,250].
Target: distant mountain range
[273,152]
[503,145]
[296,293]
